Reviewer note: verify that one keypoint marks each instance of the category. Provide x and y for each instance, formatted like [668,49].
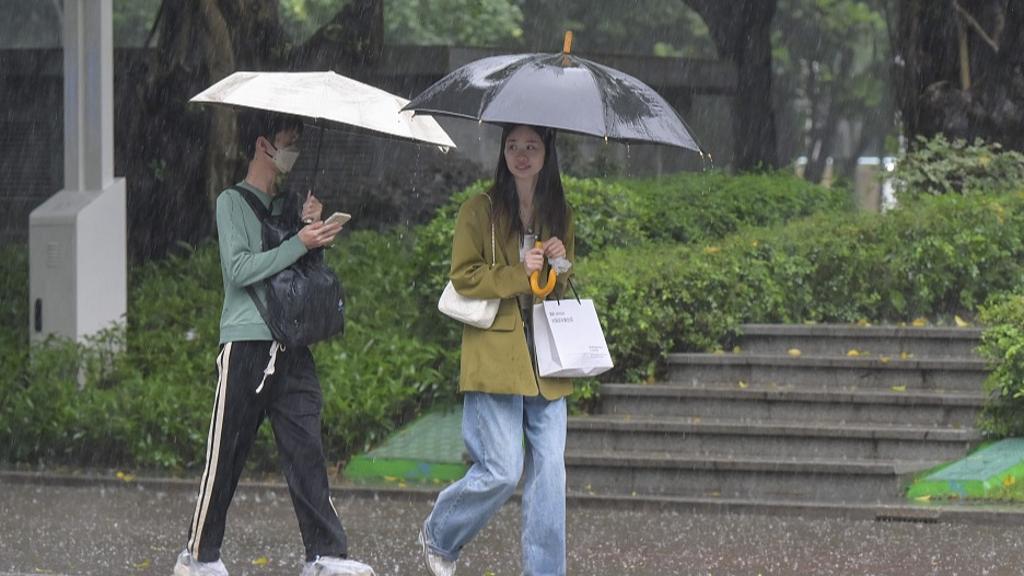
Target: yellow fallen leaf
[261,561]
[906,355]
[884,359]
[392,479]
[919,322]
[124,476]
[1009,481]
[961,322]
[142,565]
[794,352]
[853,353]
[754,243]
[899,388]
[924,498]
[736,349]
[712,250]
[743,384]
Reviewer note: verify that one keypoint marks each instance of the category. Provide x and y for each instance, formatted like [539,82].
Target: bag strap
[488,196]
[261,211]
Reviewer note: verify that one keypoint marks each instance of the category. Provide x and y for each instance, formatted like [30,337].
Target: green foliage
[1002,343]
[937,166]
[672,264]
[453,22]
[942,258]
[140,395]
[615,224]
[697,207]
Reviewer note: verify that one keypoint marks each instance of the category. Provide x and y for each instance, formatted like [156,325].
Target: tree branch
[976,25]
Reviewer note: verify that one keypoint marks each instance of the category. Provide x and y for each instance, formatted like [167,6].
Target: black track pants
[291,397]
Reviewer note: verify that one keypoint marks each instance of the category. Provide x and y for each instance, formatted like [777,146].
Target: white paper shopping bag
[568,340]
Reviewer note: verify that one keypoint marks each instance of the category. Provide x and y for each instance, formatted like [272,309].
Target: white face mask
[285,158]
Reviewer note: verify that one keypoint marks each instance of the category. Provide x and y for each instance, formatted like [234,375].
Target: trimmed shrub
[146,389]
[937,166]
[942,258]
[1002,344]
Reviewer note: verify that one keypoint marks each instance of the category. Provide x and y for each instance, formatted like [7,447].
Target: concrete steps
[782,440]
[826,339]
[652,474]
[768,424]
[790,403]
[827,372]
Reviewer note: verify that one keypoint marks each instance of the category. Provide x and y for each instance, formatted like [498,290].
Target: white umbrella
[325,96]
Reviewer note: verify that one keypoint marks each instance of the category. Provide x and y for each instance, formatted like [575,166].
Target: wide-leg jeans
[494,427]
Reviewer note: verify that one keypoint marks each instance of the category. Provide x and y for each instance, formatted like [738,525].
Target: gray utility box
[78,262]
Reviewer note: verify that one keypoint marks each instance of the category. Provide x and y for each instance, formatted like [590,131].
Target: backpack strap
[261,211]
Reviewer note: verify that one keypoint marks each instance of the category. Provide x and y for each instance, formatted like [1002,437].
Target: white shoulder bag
[476,312]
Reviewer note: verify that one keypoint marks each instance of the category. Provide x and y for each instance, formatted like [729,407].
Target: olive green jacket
[497,360]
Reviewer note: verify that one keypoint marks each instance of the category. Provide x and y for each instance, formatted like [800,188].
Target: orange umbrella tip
[567,42]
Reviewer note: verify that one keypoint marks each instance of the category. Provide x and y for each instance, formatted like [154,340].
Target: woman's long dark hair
[549,206]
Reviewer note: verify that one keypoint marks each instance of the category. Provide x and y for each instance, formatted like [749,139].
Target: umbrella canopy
[325,96]
[560,91]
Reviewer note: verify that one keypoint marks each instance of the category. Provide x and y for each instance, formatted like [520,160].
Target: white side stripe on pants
[212,451]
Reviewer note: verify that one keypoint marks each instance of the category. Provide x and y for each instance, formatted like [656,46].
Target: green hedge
[149,406]
[938,166]
[1002,343]
[943,257]
[684,208]
[148,386]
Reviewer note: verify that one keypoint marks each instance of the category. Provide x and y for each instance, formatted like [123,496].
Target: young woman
[513,420]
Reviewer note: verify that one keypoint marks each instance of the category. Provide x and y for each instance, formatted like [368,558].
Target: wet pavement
[138,529]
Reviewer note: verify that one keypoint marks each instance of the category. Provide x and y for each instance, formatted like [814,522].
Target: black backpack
[305,301]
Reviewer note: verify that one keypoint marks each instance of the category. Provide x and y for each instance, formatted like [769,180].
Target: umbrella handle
[538,290]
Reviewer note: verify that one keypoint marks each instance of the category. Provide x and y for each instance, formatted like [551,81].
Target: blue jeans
[493,428]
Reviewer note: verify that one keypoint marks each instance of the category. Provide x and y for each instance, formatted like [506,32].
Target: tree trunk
[933,67]
[825,130]
[350,43]
[741,31]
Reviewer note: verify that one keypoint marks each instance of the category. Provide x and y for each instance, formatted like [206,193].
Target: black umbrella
[560,91]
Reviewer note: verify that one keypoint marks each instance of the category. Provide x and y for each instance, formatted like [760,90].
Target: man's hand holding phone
[320,234]
[339,217]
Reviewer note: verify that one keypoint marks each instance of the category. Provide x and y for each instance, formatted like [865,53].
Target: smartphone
[339,217]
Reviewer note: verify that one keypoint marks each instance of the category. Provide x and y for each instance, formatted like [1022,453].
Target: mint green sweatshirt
[243,262]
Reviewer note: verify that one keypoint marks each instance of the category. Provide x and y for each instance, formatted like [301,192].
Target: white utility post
[78,263]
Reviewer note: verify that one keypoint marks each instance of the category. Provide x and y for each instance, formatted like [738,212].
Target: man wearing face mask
[258,377]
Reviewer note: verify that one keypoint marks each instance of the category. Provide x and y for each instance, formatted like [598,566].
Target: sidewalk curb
[936,514]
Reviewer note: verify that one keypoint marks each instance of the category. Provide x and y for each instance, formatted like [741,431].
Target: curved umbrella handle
[538,290]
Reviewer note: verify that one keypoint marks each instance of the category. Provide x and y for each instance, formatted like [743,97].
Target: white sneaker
[436,564]
[332,566]
[189,566]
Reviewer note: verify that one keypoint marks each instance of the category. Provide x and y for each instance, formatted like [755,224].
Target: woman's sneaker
[436,564]
[332,566]
[189,566]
